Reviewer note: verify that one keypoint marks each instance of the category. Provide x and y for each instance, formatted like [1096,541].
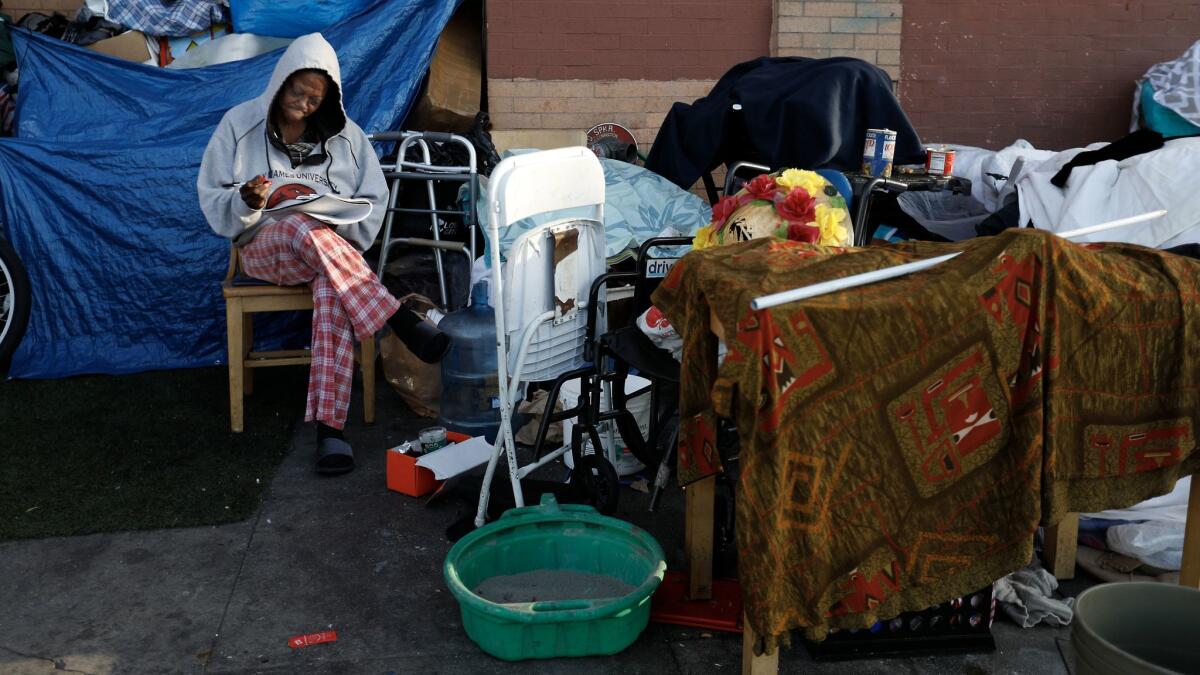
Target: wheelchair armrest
[589,347]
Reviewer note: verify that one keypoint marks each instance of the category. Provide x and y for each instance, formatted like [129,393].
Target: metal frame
[429,173]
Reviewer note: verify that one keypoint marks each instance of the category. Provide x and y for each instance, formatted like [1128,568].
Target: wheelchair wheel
[14,303]
[594,482]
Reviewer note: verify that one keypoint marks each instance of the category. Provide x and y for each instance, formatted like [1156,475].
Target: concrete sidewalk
[345,554]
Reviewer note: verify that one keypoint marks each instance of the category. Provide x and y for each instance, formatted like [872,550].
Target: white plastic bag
[655,325]
[1155,542]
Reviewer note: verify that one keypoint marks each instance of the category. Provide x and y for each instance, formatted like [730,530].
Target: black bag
[54,25]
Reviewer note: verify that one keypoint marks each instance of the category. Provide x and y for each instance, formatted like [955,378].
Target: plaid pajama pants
[347,301]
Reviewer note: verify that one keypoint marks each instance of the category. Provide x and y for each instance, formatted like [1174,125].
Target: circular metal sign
[612,141]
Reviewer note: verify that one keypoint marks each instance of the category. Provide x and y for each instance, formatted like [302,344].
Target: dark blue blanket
[98,193]
[795,112]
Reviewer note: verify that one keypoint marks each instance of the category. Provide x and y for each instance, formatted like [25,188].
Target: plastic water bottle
[470,401]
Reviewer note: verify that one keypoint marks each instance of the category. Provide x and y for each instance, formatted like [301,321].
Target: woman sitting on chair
[295,140]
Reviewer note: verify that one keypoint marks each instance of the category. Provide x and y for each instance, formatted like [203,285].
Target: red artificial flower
[762,187]
[722,210]
[798,207]
[804,233]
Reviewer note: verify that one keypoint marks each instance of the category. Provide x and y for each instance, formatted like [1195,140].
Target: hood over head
[310,52]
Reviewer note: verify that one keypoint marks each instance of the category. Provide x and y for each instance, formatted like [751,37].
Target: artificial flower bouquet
[790,204]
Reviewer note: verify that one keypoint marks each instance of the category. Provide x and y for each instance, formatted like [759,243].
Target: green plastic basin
[1137,628]
[553,537]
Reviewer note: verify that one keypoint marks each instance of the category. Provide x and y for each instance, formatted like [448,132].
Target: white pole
[1092,229]
[813,290]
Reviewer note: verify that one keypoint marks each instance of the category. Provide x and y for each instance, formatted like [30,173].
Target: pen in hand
[241,183]
[254,191]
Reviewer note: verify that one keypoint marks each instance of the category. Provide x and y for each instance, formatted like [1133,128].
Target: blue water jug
[470,382]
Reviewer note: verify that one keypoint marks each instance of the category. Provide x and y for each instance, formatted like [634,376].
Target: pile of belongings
[1151,168]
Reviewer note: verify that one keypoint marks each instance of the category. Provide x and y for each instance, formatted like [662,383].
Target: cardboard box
[130,45]
[451,97]
[405,477]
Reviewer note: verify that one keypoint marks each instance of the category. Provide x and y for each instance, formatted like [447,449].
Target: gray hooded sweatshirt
[344,164]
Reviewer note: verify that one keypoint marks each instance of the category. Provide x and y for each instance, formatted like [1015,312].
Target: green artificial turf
[102,453]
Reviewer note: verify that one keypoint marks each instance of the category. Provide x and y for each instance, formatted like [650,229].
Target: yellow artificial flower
[830,219]
[811,181]
[704,238]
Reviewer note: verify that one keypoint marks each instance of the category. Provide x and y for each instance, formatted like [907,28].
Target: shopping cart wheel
[594,482]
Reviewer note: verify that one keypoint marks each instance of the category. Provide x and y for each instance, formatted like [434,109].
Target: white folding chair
[541,293]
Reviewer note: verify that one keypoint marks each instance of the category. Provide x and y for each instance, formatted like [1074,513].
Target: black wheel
[650,451]
[14,303]
[594,482]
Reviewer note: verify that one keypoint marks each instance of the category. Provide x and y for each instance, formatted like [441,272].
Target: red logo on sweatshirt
[288,192]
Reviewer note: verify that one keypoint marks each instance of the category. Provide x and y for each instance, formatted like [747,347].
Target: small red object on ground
[724,612]
[298,641]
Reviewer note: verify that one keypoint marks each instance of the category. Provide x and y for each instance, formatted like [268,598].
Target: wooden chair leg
[248,342]
[1059,547]
[698,536]
[1189,572]
[368,377]
[235,346]
[763,664]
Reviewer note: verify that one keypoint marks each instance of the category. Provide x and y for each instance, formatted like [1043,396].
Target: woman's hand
[254,192]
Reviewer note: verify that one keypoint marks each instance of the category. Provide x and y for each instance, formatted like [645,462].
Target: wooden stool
[242,301]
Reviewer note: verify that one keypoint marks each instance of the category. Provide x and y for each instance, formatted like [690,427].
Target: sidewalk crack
[59,664]
[212,647]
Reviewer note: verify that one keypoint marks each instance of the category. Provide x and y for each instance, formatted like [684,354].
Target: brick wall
[639,105]
[865,29]
[1059,74]
[644,40]
[571,64]
[19,8]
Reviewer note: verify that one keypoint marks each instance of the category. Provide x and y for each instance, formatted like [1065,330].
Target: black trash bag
[54,25]
[83,32]
[486,156]
[415,195]
[92,30]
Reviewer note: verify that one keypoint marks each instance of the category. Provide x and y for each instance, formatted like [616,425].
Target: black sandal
[334,457]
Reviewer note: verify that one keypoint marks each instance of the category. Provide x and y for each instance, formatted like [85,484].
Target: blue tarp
[98,192]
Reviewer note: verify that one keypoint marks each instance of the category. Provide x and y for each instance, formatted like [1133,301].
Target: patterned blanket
[902,441]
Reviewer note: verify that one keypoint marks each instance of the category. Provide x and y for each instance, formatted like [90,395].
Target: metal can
[432,438]
[939,161]
[878,151]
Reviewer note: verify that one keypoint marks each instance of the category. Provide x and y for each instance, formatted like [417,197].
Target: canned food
[939,161]
[432,438]
[878,151]
[405,448]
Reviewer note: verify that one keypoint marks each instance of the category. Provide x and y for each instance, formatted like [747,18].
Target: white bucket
[639,406]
